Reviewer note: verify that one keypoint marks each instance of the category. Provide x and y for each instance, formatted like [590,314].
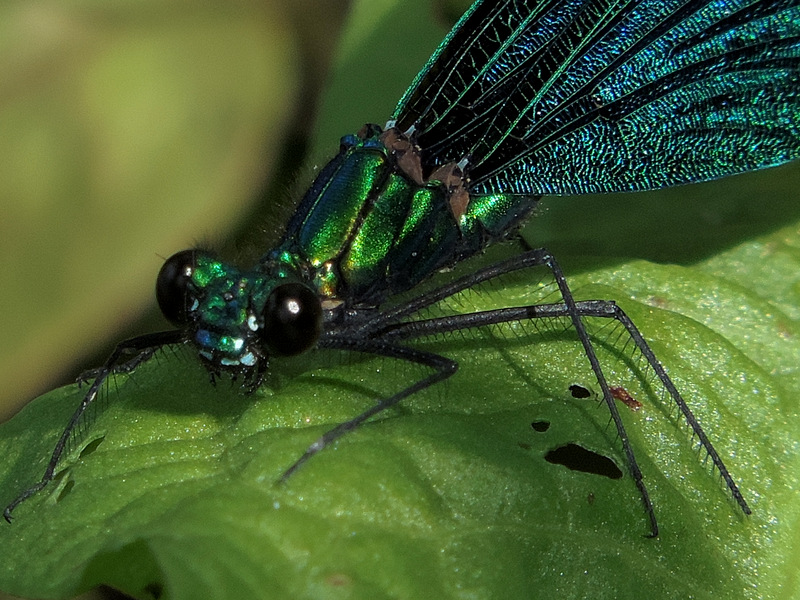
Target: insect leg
[143,348]
[399,324]
[443,368]
[426,327]
[588,348]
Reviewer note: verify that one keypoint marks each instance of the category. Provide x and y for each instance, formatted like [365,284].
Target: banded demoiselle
[520,100]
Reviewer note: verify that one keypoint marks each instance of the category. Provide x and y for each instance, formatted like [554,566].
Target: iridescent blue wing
[578,96]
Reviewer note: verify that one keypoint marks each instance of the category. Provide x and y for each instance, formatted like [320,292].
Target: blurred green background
[127,131]
[131,130]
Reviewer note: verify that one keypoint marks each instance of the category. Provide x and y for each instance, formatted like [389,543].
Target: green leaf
[173,486]
[171,491]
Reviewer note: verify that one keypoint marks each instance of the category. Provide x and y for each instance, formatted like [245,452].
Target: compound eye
[292,319]
[171,286]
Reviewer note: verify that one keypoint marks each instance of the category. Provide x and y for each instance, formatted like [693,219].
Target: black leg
[389,327]
[443,368]
[527,260]
[142,348]
[588,348]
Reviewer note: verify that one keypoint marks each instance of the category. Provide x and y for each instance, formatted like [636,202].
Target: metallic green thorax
[366,229]
[371,225]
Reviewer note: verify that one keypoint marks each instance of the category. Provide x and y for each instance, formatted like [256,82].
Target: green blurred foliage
[129,131]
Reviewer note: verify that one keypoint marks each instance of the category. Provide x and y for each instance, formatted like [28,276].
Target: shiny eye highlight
[171,286]
[292,319]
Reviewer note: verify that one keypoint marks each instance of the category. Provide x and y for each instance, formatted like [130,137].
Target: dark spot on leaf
[108,593]
[540,426]
[578,391]
[590,498]
[578,458]
[524,446]
[141,574]
[66,490]
[91,446]
[154,590]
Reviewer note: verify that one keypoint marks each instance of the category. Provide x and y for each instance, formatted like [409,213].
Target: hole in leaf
[91,447]
[578,458]
[578,391]
[540,426]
